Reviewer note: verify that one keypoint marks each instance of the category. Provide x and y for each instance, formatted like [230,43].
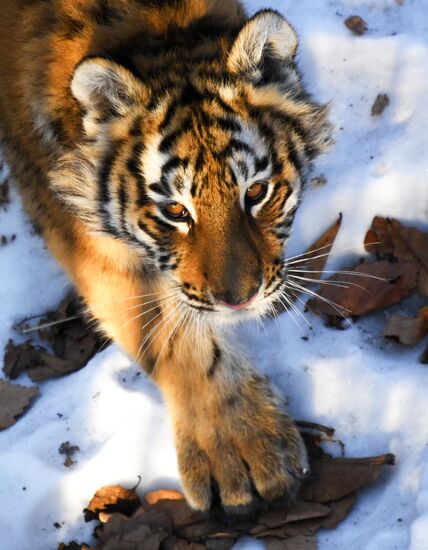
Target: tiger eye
[176,211]
[256,192]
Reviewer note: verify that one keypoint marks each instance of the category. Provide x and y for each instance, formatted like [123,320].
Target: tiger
[160,148]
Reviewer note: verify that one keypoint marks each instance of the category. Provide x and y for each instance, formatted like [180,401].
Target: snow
[373,392]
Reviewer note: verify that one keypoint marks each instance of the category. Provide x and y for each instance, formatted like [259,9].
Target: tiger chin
[161,148]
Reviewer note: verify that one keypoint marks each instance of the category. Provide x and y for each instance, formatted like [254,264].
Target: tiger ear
[106,88]
[266,34]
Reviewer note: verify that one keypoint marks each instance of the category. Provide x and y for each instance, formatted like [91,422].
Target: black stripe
[104,174]
[133,161]
[227,124]
[161,223]
[260,164]
[135,129]
[216,360]
[73,28]
[238,145]
[227,108]
[133,166]
[200,160]
[144,228]
[157,188]
[293,155]
[123,201]
[104,14]
[170,139]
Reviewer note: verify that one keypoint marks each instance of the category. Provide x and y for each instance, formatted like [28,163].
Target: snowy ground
[373,392]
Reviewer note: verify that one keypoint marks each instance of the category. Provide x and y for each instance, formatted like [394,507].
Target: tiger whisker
[306,256]
[169,311]
[147,340]
[335,306]
[340,272]
[296,296]
[297,311]
[286,305]
[145,312]
[339,284]
[168,339]
[128,298]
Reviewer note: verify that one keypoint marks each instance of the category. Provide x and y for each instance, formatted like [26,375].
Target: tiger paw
[252,450]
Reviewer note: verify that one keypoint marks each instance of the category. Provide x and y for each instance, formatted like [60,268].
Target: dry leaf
[72,342]
[174,543]
[145,530]
[424,357]
[13,402]
[407,330]
[402,263]
[388,238]
[38,364]
[423,282]
[299,542]
[4,193]
[387,283]
[339,477]
[380,104]
[163,494]
[356,24]
[111,499]
[69,452]
[165,520]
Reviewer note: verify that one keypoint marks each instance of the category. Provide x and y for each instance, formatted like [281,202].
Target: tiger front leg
[229,426]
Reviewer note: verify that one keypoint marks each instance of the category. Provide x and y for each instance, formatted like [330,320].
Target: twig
[49,324]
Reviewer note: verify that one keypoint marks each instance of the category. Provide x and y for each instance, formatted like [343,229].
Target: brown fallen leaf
[14,400]
[69,451]
[38,364]
[164,520]
[400,270]
[356,24]
[73,545]
[318,181]
[145,530]
[388,238]
[300,542]
[386,283]
[163,494]
[423,282]
[4,193]
[380,104]
[72,341]
[111,499]
[336,478]
[407,330]
[424,356]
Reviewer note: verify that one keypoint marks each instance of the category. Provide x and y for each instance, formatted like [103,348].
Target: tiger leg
[228,424]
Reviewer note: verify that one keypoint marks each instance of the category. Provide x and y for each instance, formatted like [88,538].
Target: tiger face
[199,167]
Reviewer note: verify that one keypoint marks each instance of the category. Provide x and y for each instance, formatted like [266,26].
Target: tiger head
[199,164]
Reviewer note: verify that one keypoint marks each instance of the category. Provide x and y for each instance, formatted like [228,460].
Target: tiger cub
[160,146]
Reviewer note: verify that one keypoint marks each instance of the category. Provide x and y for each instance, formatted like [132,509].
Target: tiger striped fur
[160,147]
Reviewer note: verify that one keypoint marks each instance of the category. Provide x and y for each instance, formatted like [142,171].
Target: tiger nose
[237,303]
